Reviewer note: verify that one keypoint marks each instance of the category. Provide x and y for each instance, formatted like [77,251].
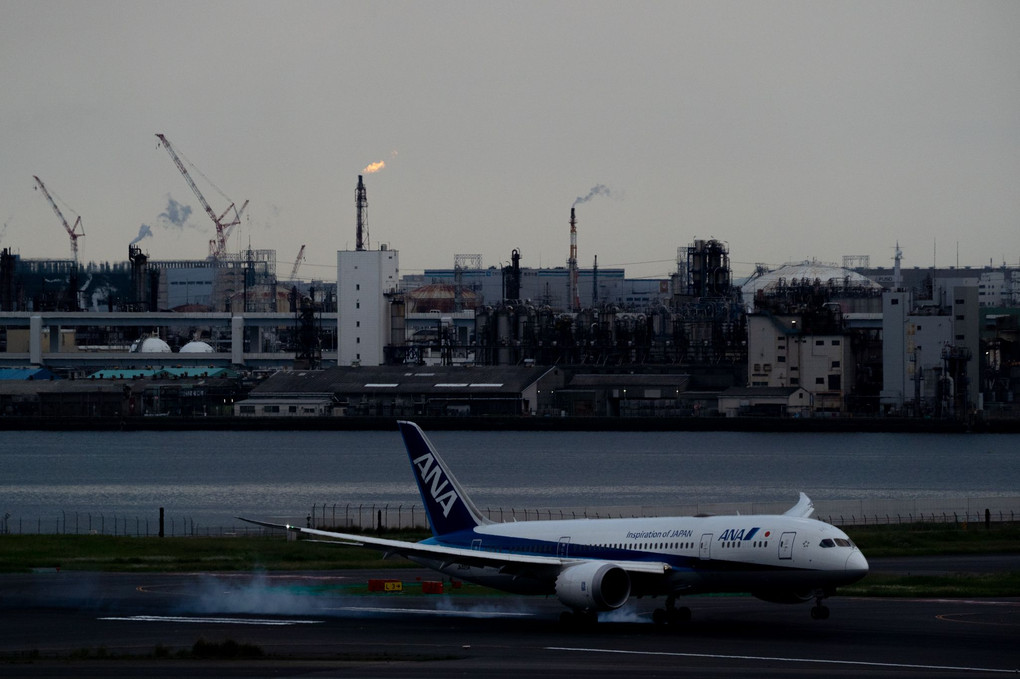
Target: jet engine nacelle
[593,586]
[784,596]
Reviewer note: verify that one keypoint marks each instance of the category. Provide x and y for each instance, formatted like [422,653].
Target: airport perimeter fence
[368,516]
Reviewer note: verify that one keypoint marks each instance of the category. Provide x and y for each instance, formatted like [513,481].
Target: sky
[788,130]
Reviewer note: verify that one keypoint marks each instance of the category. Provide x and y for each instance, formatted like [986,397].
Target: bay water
[208,478]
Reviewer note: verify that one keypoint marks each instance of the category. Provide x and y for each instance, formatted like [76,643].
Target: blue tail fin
[446,503]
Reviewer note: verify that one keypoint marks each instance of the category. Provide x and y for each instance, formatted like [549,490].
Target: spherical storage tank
[196,347]
[805,271]
[150,345]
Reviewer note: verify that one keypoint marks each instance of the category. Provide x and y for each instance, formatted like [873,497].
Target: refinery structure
[805,340]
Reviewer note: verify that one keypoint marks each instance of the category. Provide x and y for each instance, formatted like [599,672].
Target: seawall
[762,424]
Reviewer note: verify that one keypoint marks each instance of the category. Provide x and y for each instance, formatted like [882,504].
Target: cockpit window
[841,542]
[828,543]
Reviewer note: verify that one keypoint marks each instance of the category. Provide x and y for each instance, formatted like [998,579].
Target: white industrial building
[781,353]
[364,278]
[929,355]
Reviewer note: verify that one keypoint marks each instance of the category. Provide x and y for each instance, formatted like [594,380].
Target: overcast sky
[789,130]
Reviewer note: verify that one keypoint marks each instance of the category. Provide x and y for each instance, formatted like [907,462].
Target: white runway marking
[220,621]
[759,658]
[431,611]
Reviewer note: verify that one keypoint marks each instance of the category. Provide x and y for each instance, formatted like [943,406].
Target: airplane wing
[804,507]
[507,563]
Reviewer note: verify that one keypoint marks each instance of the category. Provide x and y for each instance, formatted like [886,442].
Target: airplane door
[786,545]
[476,545]
[562,547]
[705,551]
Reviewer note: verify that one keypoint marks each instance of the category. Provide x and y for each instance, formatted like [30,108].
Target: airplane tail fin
[448,507]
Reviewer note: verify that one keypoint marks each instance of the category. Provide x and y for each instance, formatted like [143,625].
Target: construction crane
[297,263]
[75,232]
[217,247]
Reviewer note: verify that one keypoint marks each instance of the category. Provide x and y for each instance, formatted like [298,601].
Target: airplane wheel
[671,616]
[579,619]
[679,615]
[820,613]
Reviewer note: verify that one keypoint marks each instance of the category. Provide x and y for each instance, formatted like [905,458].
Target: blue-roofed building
[128,374]
[26,374]
[162,373]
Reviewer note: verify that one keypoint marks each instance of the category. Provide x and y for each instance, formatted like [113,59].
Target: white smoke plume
[176,214]
[597,190]
[144,231]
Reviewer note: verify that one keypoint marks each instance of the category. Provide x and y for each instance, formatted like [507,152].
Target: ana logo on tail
[432,472]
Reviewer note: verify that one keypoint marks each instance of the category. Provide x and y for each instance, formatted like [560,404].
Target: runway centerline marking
[432,611]
[207,621]
[719,656]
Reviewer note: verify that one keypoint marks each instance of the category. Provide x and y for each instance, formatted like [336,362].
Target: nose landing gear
[818,611]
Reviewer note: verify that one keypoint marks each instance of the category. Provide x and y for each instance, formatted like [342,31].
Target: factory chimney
[897,274]
[361,203]
[139,278]
[7,262]
[512,277]
[572,297]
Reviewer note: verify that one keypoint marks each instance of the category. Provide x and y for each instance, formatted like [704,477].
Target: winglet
[804,507]
[448,506]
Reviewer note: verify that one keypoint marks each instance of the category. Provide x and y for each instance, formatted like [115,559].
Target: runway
[327,624]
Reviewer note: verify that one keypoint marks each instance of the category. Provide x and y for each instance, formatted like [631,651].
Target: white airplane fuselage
[753,553]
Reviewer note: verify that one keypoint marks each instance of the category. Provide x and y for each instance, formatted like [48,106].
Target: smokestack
[512,277]
[573,299]
[361,203]
[139,277]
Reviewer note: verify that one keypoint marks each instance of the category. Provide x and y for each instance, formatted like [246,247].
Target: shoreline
[517,423]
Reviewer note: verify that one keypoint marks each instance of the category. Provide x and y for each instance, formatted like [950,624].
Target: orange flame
[374,167]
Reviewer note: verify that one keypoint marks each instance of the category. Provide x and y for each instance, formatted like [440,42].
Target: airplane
[597,565]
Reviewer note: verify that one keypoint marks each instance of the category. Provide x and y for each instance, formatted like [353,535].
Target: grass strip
[25,553]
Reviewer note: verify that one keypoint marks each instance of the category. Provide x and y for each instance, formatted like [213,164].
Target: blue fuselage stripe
[500,544]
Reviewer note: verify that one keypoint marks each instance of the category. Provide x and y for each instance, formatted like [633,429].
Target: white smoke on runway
[625,613]
[262,594]
[254,595]
[488,609]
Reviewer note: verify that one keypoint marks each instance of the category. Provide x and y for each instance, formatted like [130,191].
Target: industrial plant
[229,336]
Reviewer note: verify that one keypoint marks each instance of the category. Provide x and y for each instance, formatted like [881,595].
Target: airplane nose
[856,564]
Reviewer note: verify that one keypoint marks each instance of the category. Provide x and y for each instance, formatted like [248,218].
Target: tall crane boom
[297,263]
[75,232]
[217,247]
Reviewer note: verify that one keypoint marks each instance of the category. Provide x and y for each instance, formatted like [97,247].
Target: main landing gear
[671,614]
[579,619]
